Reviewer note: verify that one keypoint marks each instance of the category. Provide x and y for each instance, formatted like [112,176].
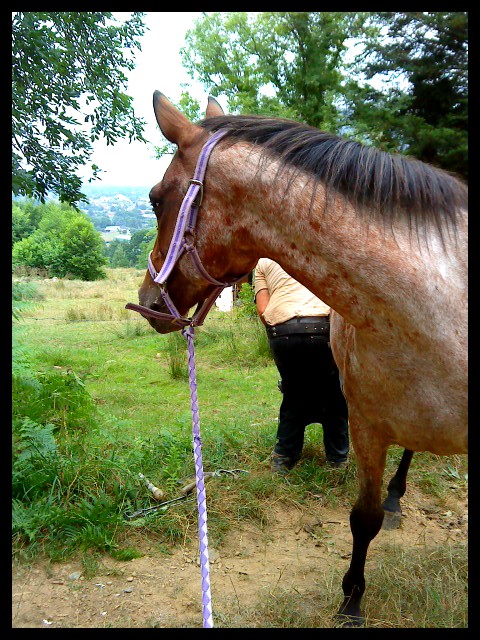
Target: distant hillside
[96,190]
[125,207]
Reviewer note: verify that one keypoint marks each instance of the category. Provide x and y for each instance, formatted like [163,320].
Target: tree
[145,246]
[300,66]
[138,239]
[65,243]
[26,216]
[21,224]
[100,222]
[117,254]
[81,252]
[67,91]
[281,64]
[426,115]
[134,252]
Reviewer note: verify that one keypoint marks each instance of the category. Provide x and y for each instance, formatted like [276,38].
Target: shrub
[176,356]
[245,306]
[65,244]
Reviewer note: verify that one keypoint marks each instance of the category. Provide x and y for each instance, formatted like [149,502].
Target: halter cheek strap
[186,220]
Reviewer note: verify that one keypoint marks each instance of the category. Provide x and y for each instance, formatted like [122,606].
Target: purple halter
[185,225]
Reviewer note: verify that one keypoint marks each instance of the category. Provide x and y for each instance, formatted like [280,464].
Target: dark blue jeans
[311,393]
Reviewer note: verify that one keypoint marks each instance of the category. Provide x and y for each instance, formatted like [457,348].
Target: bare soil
[305,552]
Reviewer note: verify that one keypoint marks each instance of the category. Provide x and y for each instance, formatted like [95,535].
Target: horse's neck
[360,270]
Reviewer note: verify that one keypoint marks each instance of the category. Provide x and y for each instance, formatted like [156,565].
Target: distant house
[114,232]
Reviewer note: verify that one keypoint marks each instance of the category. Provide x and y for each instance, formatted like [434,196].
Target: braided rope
[188,333]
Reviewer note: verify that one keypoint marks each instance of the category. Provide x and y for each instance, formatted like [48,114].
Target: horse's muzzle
[159,320]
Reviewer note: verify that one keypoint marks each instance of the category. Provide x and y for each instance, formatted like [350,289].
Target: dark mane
[379,184]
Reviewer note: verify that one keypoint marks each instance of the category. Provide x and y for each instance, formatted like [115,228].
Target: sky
[158,66]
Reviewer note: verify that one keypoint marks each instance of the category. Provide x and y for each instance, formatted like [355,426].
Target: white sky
[158,66]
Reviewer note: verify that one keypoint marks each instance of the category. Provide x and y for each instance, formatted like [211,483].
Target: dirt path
[301,551]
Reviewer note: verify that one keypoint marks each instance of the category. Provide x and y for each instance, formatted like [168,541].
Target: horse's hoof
[391,520]
[344,620]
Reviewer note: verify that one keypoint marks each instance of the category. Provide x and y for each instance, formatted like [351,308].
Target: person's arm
[261,300]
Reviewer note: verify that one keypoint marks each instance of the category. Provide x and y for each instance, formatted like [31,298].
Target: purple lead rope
[188,332]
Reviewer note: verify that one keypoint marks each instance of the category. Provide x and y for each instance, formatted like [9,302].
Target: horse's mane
[377,183]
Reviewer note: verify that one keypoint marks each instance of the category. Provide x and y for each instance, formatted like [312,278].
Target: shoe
[280,463]
[336,464]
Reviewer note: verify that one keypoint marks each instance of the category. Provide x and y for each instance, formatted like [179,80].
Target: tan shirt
[288,298]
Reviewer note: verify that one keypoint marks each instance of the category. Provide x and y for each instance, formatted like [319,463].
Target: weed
[130,329]
[23,292]
[75,314]
[427,587]
[90,564]
[129,553]
[176,356]
[452,472]
[263,350]
[105,311]
[60,285]
[430,482]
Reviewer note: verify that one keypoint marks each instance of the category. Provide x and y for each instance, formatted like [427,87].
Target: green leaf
[59,57]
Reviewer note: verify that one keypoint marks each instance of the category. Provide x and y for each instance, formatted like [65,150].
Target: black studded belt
[306,324]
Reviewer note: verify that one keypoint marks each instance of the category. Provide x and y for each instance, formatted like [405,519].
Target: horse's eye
[155,204]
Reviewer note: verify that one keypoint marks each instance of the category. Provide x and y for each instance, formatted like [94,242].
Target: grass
[102,398]
[418,588]
[423,588]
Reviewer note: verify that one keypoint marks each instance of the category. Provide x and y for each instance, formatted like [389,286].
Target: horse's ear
[213,108]
[173,124]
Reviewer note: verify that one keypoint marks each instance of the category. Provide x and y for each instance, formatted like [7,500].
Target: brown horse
[380,238]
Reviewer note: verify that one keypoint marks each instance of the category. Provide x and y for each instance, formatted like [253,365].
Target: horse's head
[186,285]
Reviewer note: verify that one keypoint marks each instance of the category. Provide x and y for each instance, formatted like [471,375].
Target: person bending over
[298,329]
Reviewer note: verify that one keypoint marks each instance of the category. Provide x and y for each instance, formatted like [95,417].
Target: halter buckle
[199,197]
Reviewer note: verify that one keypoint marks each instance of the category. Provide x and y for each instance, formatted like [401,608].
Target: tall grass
[98,312]
[175,352]
[426,587]
[75,465]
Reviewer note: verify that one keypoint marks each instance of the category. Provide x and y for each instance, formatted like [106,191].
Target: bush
[245,305]
[59,398]
[81,252]
[65,243]
[22,294]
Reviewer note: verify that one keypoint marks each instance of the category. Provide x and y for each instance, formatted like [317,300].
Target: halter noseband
[186,220]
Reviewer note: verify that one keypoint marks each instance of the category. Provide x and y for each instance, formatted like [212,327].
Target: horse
[380,237]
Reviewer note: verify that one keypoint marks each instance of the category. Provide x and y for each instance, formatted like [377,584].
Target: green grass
[100,397]
[111,400]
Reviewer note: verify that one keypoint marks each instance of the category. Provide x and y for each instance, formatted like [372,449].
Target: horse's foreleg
[365,522]
[396,489]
